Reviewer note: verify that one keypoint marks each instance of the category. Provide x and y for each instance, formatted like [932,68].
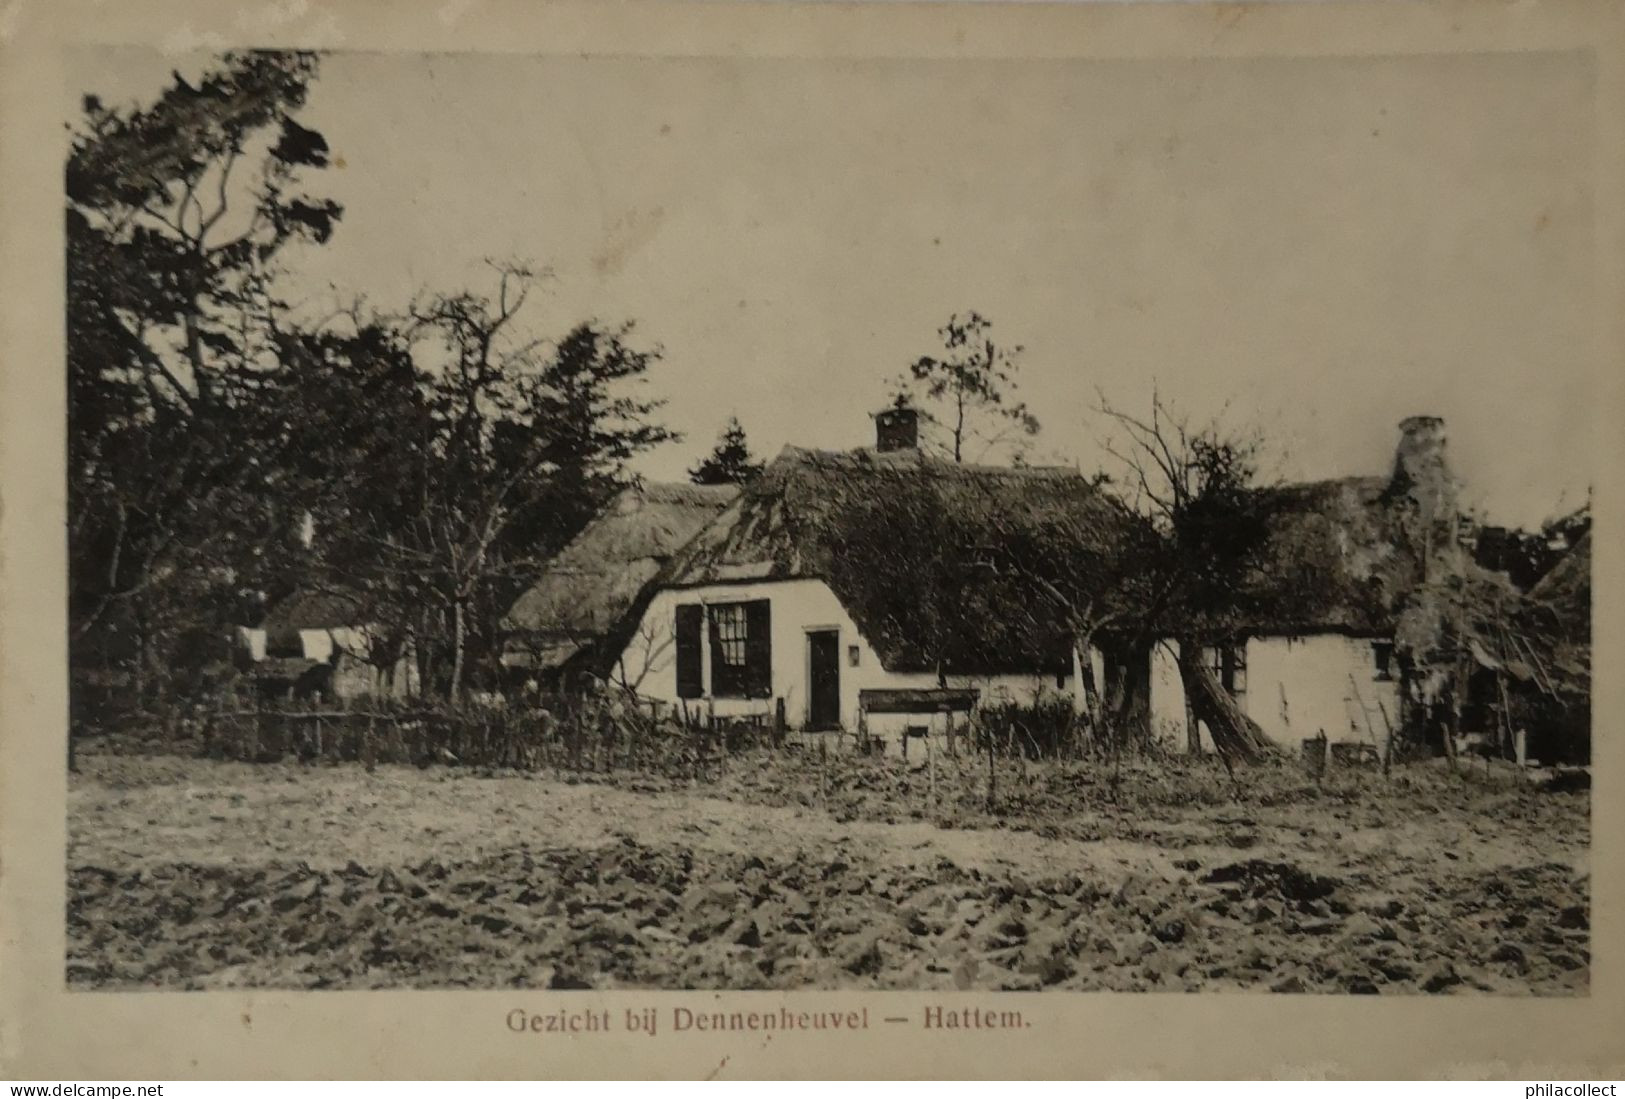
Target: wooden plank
[918,700]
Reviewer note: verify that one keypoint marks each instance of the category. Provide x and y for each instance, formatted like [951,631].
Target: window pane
[729,622]
[1383,653]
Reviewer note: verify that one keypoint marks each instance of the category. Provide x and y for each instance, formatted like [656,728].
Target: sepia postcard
[810,540]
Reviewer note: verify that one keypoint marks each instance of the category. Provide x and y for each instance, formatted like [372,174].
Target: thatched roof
[1555,621]
[316,608]
[1566,591]
[877,527]
[1333,562]
[595,580]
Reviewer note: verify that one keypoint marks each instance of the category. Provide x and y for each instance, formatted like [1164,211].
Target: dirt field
[793,872]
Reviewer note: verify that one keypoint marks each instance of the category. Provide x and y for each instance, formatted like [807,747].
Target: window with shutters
[741,650]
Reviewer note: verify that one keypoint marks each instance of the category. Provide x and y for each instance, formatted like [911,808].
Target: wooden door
[824,676]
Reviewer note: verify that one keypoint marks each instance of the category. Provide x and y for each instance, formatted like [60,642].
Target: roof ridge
[916,461]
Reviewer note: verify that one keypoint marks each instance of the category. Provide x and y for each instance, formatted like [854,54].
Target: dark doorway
[824,674]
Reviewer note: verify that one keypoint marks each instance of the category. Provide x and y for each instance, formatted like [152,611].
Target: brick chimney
[897,427]
[1422,473]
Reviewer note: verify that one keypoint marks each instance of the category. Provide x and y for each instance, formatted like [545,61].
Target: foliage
[176,214]
[1021,563]
[445,455]
[730,461]
[1046,728]
[1198,488]
[435,455]
[973,380]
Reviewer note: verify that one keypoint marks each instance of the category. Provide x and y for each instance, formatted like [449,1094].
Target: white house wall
[1329,682]
[354,677]
[1168,699]
[347,648]
[649,663]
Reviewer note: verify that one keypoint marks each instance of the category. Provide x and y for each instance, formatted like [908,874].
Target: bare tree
[448,453]
[648,648]
[1197,488]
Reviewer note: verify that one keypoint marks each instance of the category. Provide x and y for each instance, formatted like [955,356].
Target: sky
[1316,248]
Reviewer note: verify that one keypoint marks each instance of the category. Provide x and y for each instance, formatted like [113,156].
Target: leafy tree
[1172,550]
[438,455]
[973,381]
[462,454]
[176,214]
[1024,570]
[730,461]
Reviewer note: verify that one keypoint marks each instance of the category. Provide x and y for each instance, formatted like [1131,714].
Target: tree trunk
[1193,728]
[959,424]
[1091,690]
[1127,701]
[1235,735]
[457,633]
[992,776]
[143,655]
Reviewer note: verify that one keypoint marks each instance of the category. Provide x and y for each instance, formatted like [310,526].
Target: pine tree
[177,213]
[972,383]
[729,463]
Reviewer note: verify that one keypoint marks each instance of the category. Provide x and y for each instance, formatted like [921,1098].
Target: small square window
[852,655]
[1382,654]
[1228,663]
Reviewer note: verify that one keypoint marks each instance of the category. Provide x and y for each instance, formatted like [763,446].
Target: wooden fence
[581,736]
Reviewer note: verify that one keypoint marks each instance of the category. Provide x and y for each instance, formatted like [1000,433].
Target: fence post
[694,748]
[823,770]
[931,773]
[992,773]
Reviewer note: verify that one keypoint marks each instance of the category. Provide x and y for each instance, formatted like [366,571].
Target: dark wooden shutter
[690,620]
[759,649]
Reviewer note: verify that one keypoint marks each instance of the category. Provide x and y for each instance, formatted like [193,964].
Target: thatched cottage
[1313,648]
[571,618]
[1526,657]
[814,589]
[321,642]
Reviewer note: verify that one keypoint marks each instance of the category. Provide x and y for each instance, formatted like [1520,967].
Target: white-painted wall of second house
[1329,682]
